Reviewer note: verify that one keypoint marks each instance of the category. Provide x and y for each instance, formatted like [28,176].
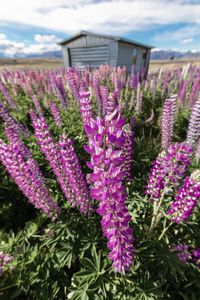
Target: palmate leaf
[92,278]
[88,264]
[78,295]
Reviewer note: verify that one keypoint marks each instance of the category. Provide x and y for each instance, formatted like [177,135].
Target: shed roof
[112,37]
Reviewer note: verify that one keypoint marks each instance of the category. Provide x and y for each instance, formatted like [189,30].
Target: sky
[35,26]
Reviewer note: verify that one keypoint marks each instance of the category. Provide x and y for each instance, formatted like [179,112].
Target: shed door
[94,56]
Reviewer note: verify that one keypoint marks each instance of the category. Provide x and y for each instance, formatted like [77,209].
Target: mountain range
[173,54]
[155,55]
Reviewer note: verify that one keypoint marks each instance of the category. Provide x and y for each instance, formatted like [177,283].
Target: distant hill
[171,54]
[52,54]
[155,55]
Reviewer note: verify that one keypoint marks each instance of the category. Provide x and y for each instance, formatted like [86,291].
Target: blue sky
[35,26]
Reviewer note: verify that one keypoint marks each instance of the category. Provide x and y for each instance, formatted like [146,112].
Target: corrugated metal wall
[107,56]
[94,56]
[125,55]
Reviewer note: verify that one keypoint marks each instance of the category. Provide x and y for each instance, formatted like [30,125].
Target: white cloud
[116,16]
[187,41]
[185,33]
[2,36]
[11,48]
[46,38]
[156,49]
[40,49]
[8,47]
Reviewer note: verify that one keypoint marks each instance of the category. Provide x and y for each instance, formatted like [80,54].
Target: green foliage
[67,259]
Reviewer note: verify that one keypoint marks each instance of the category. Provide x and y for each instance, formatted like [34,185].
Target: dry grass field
[172,64]
[43,63]
[46,63]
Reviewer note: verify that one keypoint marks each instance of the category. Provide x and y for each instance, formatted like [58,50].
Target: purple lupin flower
[193,133]
[112,102]
[186,199]
[182,91]
[164,85]
[14,137]
[65,164]
[82,86]
[135,80]
[104,96]
[132,100]
[57,85]
[11,122]
[61,91]
[96,84]
[77,180]
[5,262]
[85,106]
[187,254]
[127,151]
[7,96]
[25,172]
[37,105]
[138,99]
[168,169]
[196,257]
[105,141]
[183,252]
[55,113]
[53,155]
[82,96]
[194,93]
[197,154]
[168,121]
[72,83]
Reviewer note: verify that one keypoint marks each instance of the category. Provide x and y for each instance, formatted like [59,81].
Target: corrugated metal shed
[87,48]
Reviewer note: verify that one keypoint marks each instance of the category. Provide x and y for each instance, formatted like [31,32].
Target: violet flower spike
[168,170]
[55,113]
[76,178]
[53,155]
[187,254]
[127,152]
[85,106]
[193,133]
[168,121]
[7,96]
[197,153]
[96,84]
[72,83]
[196,257]
[194,93]
[105,141]
[183,252]
[5,262]
[11,122]
[104,96]
[186,199]
[138,99]
[27,175]
[37,105]
[57,85]
[112,102]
